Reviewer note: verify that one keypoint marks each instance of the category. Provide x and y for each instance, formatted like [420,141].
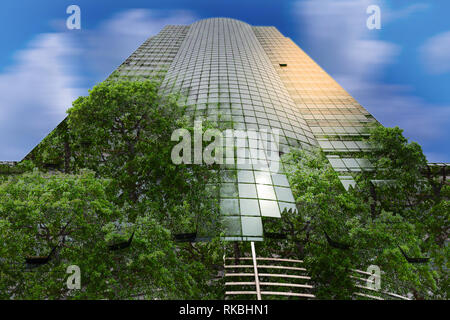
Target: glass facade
[255,80]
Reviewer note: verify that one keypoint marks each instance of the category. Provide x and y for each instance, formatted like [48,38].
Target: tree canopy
[394,213]
[115,210]
[132,191]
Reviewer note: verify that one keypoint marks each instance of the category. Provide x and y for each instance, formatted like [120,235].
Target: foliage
[367,224]
[122,132]
[39,212]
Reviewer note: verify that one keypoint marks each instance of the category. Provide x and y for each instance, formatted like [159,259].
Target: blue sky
[400,73]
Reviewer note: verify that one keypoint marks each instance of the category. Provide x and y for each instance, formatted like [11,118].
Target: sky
[399,73]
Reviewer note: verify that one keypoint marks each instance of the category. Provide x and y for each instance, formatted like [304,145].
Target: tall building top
[219,20]
[253,79]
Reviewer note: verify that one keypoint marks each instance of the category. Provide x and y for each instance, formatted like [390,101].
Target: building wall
[336,119]
[155,55]
[255,79]
[227,77]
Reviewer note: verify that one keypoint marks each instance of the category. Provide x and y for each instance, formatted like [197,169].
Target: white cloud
[338,37]
[405,12]
[394,105]
[115,39]
[36,91]
[435,53]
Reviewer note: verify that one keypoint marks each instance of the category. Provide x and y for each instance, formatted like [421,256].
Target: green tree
[392,206]
[122,132]
[73,215]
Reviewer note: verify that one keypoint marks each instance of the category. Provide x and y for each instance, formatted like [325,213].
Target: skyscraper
[253,79]
[267,97]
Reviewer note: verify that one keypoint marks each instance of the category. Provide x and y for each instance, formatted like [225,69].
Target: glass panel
[229,207]
[244,164]
[350,163]
[232,225]
[228,190]
[269,208]
[229,176]
[280,180]
[262,177]
[284,194]
[249,207]
[246,176]
[247,191]
[252,226]
[337,163]
[232,238]
[265,192]
[253,238]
